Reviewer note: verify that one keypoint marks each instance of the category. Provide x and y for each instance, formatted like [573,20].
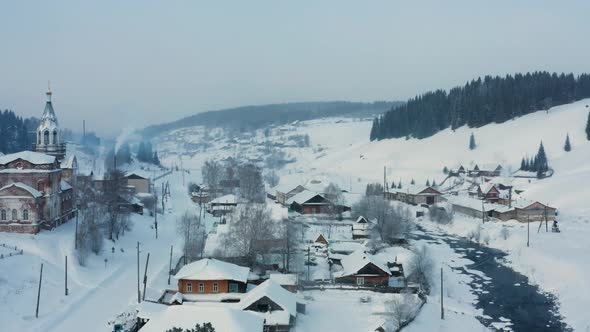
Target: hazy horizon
[130,64]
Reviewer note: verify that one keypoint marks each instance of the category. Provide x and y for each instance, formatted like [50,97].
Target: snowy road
[91,308]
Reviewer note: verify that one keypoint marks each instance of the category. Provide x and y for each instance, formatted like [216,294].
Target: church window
[14,215]
[54,137]
[25,214]
[3,215]
[46,137]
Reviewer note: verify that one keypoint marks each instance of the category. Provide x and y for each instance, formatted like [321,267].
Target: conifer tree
[472,144]
[588,127]
[413,182]
[428,183]
[541,164]
[567,147]
[399,186]
[433,183]
[445,170]
[523,164]
[155,159]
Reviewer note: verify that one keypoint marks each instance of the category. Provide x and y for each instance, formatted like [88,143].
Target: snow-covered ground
[340,152]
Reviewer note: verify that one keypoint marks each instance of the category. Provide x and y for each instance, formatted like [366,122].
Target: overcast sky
[131,63]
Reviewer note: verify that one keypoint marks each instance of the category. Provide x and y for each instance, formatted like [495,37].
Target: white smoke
[128,134]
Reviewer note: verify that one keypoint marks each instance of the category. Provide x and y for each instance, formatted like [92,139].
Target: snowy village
[202,178]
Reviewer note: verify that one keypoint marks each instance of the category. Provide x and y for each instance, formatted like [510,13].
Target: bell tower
[49,140]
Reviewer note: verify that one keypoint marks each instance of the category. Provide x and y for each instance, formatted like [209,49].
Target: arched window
[14,215]
[54,137]
[40,186]
[25,214]
[2,214]
[46,137]
[39,137]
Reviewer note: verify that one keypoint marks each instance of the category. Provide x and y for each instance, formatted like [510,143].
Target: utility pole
[483,213]
[138,294]
[546,225]
[442,309]
[384,181]
[39,292]
[76,232]
[528,230]
[66,270]
[308,261]
[156,214]
[145,275]
[170,268]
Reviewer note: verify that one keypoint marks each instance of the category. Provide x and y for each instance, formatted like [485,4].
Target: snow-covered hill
[340,151]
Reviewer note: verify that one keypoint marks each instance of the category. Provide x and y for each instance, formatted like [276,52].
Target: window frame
[215,287]
[360,281]
[3,215]
[189,287]
[14,214]
[26,214]
[201,287]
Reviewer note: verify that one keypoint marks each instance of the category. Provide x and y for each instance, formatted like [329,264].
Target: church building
[35,191]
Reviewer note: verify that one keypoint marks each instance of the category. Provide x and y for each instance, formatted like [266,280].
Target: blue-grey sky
[130,63]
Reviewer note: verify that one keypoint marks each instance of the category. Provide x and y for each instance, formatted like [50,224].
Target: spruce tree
[541,164]
[413,182]
[434,183]
[399,186]
[155,159]
[522,164]
[472,144]
[588,127]
[567,147]
[428,183]
[445,170]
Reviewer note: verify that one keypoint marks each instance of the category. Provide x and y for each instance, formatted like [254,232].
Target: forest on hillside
[480,102]
[255,117]
[16,133]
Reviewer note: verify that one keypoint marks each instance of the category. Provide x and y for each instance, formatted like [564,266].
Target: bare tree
[272,178]
[290,234]
[440,214]
[334,195]
[211,173]
[190,227]
[250,225]
[401,311]
[90,237]
[115,197]
[251,184]
[391,222]
[421,268]
[505,233]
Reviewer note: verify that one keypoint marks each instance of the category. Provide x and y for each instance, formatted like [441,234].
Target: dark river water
[505,293]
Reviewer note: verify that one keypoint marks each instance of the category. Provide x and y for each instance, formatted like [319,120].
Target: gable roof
[227,199]
[71,163]
[304,196]
[487,187]
[213,269]
[162,317]
[64,185]
[34,192]
[137,174]
[415,189]
[362,220]
[356,261]
[288,279]
[282,297]
[35,158]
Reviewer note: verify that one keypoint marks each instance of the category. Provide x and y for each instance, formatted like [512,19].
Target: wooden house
[321,239]
[140,182]
[415,195]
[309,202]
[362,228]
[223,205]
[210,276]
[283,193]
[272,302]
[288,281]
[363,269]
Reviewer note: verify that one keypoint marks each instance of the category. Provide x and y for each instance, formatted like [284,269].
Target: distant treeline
[16,133]
[480,102]
[256,117]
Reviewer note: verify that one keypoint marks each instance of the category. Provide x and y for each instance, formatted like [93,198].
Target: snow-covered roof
[30,156]
[302,197]
[354,262]
[284,279]
[187,316]
[213,269]
[64,185]
[472,203]
[284,187]
[412,189]
[227,199]
[486,187]
[276,293]
[139,173]
[70,162]
[34,192]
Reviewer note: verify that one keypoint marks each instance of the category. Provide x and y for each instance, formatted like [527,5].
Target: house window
[189,287]
[233,288]
[215,287]
[25,214]
[201,287]
[360,281]
[14,215]
[3,215]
